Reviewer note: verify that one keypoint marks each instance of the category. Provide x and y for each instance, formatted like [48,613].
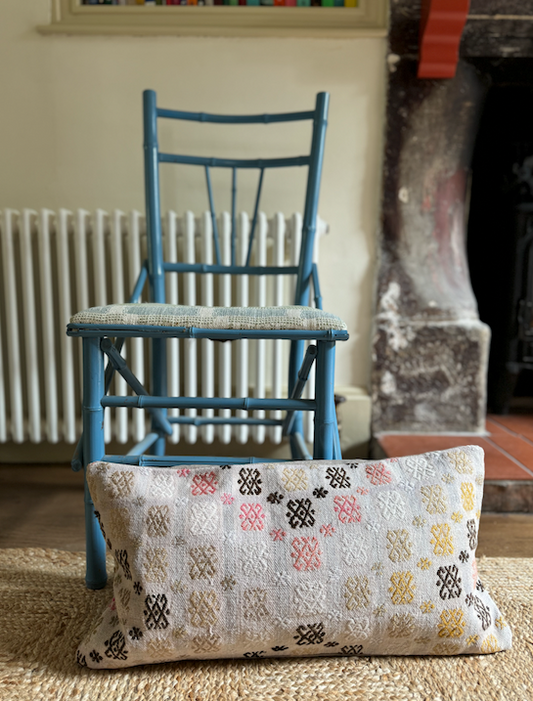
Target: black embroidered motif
[275,498]
[479,585]
[331,644]
[116,646]
[136,633]
[121,556]
[353,465]
[351,650]
[156,611]
[259,653]
[311,634]
[300,513]
[250,481]
[279,648]
[472,535]
[96,656]
[482,611]
[320,493]
[464,556]
[337,477]
[137,587]
[225,467]
[449,582]
[80,659]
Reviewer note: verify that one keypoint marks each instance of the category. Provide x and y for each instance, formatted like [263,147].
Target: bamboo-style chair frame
[98,343]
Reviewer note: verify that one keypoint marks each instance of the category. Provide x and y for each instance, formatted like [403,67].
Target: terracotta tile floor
[508,446]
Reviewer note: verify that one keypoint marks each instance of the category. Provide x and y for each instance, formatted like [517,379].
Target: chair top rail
[235,119]
[260,163]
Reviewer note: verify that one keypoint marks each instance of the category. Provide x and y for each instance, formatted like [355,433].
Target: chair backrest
[153,157]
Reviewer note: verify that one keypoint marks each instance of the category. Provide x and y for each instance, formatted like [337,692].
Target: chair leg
[93,450]
[159,386]
[325,423]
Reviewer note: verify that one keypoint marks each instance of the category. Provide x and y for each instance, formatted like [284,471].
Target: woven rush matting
[45,611]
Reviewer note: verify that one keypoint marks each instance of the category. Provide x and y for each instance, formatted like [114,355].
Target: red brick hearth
[508,446]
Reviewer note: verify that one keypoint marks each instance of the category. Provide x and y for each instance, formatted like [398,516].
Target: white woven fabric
[304,558]
[178,315]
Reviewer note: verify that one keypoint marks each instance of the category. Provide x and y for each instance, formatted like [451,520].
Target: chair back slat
[216,239]
[254,220]
[233,213]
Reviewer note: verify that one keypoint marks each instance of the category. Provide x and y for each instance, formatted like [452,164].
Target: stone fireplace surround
[430,349]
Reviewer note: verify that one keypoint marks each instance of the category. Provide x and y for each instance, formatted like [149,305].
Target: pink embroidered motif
[347,509]
[183,472]
[327,530]
[306,553]
[362,491]
[277,534]
[227,498]
[252,517]
[378,474]
[204,483]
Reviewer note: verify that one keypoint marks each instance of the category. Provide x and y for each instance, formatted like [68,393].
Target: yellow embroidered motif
[157,521]
[457,516]
[203,608]
[490,644]
[446,648]
[442,539]
[462,462]
[178,586]
[357,593]
[419,522]
[448,479]
[434,499]
[401,625]
[472,640]
[379,611]
[203,562]
[500,623]
[178,632]
[121,483]
[403,587]
[254,604]
[467,495]
[452,623]
[399,545]
[159,649]
[207,643]
[424,563]
[124,596]
[427,606]
[155,564]
[377,567]
[118,524]
[294,479]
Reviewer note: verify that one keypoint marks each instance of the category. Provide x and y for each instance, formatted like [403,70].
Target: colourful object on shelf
[327,3]
[279,3]
[303,3]
[351,3]
[441,26]
[252,2]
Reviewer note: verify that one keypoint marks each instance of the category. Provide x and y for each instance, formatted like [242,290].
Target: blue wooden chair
[104,329]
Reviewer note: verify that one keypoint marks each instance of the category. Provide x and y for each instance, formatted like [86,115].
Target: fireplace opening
[500,232]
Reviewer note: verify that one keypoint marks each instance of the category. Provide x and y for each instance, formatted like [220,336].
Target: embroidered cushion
[292,559]
[178,315]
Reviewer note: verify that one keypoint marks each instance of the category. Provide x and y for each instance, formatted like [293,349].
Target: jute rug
[45,610]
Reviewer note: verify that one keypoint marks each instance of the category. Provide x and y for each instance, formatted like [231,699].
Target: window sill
[368,20]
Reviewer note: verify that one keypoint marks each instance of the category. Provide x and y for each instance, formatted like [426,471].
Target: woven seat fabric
[243,318]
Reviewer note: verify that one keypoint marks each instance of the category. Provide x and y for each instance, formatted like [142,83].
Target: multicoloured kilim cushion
[179,315]
[292,559]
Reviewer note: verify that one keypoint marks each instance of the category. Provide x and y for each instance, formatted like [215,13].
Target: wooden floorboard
[42,506]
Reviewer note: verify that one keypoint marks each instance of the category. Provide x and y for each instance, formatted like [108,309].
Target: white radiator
[51,265]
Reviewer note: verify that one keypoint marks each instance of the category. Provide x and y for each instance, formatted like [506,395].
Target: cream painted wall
[71,132]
